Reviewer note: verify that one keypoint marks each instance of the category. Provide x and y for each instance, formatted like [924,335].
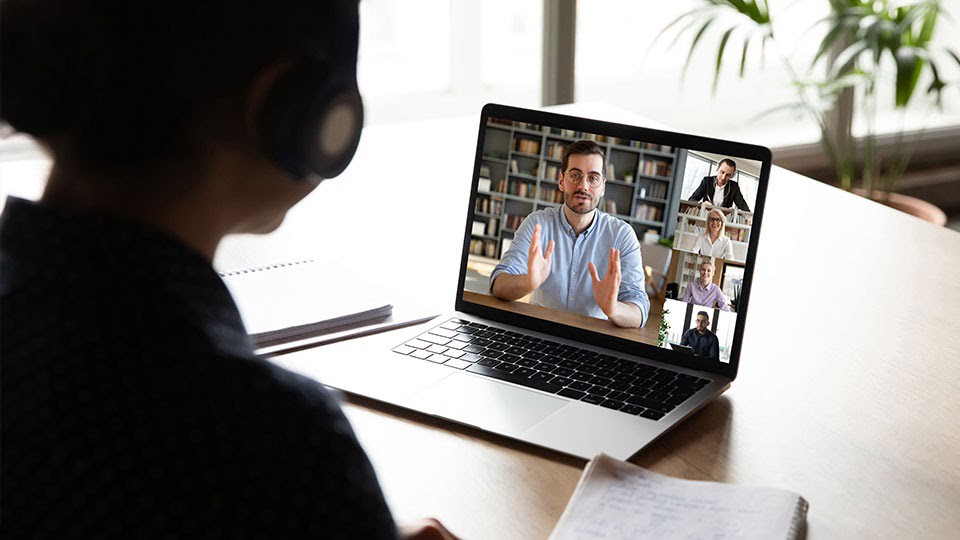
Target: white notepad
[615,500]
[287,301]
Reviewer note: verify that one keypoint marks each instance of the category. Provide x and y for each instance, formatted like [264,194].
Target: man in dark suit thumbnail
[721,190]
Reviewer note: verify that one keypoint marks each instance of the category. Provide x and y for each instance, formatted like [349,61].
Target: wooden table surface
[849,384]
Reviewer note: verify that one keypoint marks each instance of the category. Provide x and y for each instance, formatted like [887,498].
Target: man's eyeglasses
[575,177]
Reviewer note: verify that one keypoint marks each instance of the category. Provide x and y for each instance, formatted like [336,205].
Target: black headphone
[311,120]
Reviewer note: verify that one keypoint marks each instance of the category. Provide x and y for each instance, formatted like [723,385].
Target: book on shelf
[485,247]
[555,149]
[611,171]
[550,195]
[527,146]
[478,228]
[737,235]
[656,167]
[486,205]
[484,171]
[514,166]
[290,301]
[505,246]
[521,189]
[648,212]
[483,185]
[610,206]
[655,190]
[615,499]
[741,219]
[513,221]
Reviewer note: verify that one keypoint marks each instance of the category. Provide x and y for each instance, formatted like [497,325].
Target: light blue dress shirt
[569,286]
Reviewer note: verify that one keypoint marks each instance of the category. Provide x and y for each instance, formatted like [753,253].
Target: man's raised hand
[538,264]
[606,290]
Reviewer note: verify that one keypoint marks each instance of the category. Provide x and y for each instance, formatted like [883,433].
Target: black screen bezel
[637,133]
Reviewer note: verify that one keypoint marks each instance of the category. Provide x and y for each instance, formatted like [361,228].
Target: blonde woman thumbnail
[714,242]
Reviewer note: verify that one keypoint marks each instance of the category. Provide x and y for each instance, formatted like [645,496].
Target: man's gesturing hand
[605,290]
[538,265]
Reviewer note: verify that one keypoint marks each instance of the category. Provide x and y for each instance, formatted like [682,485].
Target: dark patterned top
[134,407]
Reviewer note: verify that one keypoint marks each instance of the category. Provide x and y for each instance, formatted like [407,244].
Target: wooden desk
[849,387]
[647,334]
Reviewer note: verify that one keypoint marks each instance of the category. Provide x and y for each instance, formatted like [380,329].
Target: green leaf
[929,22]
[743,56]
[693,45]
[909,67]
[723,46]
[848,56]
[692,14]
[828,41]
[954,55]
[937,86]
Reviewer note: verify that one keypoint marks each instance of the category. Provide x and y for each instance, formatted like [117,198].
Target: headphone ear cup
[311,120]
[337,133]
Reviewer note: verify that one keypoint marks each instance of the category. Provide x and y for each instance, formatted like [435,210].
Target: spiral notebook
[290,301]
[615,499]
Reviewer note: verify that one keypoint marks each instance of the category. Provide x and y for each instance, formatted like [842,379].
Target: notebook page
[289,299]
[615,499]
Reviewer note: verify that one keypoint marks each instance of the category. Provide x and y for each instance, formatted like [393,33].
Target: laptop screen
[629,238]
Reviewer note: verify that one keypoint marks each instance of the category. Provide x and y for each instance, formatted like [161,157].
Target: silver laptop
[558,372]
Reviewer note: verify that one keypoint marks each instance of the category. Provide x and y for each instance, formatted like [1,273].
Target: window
[436,58]
[620,61]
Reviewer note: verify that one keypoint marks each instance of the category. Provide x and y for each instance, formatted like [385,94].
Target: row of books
[628,176]
[656,167]
[528,146]
[609,206]
[738,235]
[555,149]
[657,190]
[648,212]
[512,221]
[486,205]
[569,133]
[491,227]
[652,146]
[516,187]
[515,168]
[741,219]
[552,173]
[484,247]
[550,195]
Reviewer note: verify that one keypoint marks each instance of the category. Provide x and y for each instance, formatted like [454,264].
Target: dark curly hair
[583,147]
[126,82]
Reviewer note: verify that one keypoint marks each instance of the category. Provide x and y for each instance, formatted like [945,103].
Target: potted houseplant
[863,44]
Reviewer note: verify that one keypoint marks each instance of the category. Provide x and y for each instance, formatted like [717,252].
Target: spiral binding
[263,268]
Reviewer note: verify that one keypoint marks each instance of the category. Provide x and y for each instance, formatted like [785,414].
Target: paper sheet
[615,499]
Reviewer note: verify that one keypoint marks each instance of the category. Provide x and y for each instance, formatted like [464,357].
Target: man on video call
[721,190]
[701,339]
[578,238]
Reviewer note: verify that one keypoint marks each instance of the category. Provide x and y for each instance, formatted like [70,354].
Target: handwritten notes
[615,499]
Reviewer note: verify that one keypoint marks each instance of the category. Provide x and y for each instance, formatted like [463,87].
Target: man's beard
[585,208]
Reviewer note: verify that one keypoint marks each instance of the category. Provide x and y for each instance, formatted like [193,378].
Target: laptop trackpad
[486,403]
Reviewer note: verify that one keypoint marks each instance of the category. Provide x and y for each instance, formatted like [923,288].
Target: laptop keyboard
[565,370]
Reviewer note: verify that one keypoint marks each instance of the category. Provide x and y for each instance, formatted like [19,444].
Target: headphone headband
[311,120]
